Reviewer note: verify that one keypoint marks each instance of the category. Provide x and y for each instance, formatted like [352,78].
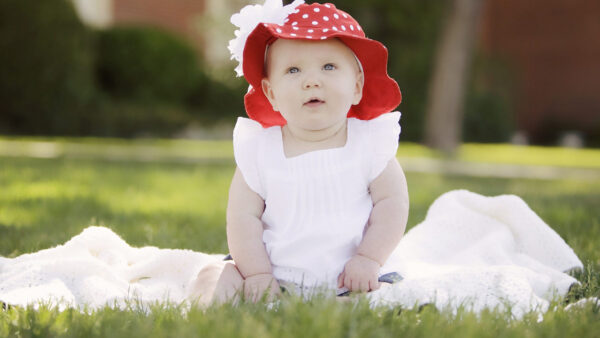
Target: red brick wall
[554,46]
[175,15]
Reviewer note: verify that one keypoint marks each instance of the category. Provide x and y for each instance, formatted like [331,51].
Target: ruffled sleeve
[384,132]
[246,148]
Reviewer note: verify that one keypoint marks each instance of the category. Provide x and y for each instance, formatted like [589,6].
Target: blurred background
[487,71]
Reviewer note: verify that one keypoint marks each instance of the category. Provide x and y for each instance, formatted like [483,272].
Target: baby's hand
[360,274]
[255,287]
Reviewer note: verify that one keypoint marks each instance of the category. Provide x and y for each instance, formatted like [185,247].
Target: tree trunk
[444,114]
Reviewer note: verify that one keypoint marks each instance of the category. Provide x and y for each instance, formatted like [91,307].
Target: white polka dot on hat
[327,18]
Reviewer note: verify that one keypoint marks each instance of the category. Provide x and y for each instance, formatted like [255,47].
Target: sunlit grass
[531,155]
[119,149]
[293,318]
[511,154]
[45,202]
[165,149]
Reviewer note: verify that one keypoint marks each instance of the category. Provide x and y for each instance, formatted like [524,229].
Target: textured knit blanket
[470,251]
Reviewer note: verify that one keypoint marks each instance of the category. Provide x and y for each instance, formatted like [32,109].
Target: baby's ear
[358,89]
[268,91]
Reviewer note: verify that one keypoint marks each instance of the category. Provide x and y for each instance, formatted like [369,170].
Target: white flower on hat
[272,11]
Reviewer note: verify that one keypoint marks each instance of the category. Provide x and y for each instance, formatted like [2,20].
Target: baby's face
[312,84]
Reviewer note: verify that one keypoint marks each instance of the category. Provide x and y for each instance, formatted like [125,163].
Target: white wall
[95,13]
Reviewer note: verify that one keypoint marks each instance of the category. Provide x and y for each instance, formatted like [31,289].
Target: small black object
[228,258]
[391,278]
[344,294]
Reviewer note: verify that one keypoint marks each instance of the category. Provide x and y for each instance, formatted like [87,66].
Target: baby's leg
[217,282]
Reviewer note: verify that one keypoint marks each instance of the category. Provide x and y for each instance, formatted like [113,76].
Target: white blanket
[470,251]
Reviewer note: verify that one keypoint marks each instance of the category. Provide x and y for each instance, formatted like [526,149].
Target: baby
[318,199]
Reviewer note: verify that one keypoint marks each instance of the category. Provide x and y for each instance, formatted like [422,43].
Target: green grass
[179,204]
[510,154]
[295,319]
[45,202]
[222,150]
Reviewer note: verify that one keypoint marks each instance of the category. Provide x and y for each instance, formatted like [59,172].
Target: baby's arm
[244,237]
[385,229]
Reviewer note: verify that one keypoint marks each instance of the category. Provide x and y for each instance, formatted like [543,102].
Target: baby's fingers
[348,282]
[251,294]
[357,285]
[274,292]
[364,286]
[341,278]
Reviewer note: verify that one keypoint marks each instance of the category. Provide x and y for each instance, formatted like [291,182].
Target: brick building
[554,50]
[180,16]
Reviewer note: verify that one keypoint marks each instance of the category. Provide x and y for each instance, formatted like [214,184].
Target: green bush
[488,113]
[122,118]
[486,119]
[146,64]
[592,137]
[213,101]
[46,72]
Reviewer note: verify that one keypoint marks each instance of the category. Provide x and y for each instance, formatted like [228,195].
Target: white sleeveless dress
[318,203]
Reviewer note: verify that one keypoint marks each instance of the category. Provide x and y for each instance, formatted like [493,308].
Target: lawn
[170,201]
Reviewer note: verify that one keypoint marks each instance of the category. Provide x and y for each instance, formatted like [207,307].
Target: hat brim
[381,93]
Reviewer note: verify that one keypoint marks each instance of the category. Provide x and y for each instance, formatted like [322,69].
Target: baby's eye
[329,66]
[293,70]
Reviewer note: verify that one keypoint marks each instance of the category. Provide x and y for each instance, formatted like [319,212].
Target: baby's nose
[311,82]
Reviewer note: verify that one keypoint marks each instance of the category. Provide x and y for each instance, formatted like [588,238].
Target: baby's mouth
[313,102]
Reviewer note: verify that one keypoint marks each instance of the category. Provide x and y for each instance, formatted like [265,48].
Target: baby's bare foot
[203,288]
[229,285]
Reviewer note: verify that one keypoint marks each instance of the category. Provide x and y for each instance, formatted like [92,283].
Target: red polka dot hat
[315,22]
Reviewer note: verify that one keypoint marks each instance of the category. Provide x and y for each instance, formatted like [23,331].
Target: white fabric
[96,268]
[316,204]
[480,252]
[471,250]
